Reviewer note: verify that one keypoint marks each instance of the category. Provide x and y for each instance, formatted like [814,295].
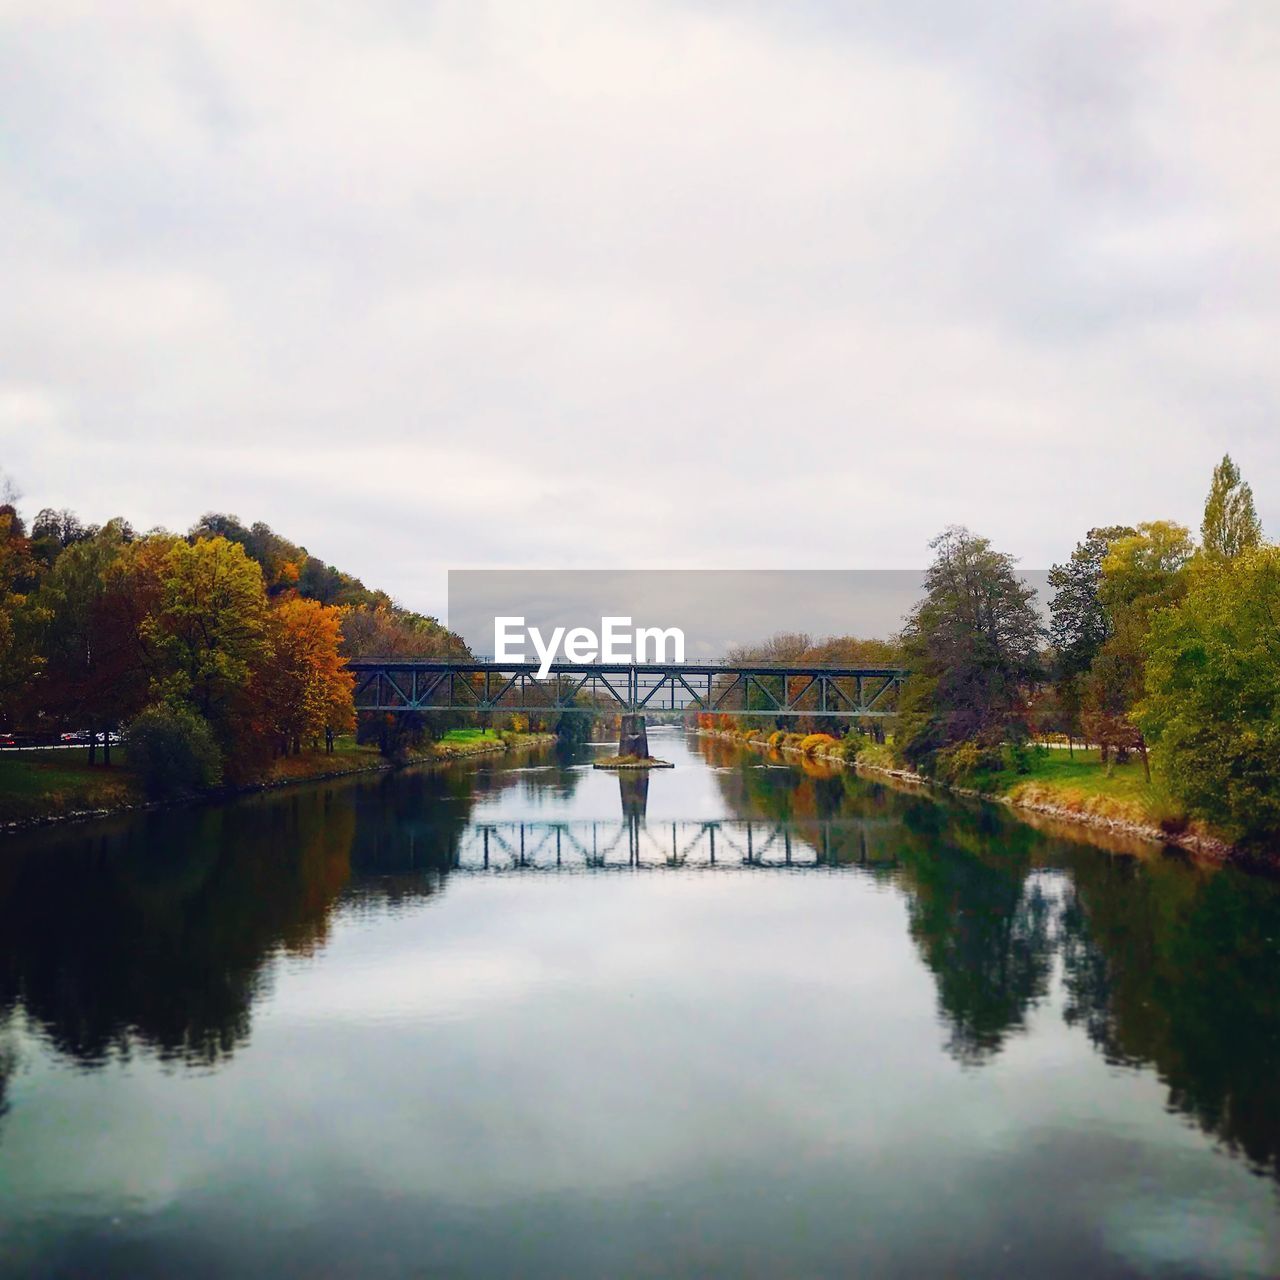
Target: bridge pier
[633,738]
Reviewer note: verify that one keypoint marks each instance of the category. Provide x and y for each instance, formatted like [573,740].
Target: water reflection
[160,934]
[1165,963]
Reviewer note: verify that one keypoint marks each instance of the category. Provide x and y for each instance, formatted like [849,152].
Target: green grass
[36,784]
[1079,781]
[471,735]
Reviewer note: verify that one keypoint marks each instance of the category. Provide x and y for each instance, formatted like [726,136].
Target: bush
[173,751]
[1017,756]
[776,739]
[816,742]
[962,764]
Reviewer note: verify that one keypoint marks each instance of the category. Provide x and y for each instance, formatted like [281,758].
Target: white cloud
[799,288]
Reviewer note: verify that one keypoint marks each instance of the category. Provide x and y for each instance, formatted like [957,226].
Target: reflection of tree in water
[983,928]
[982,924]
[158,932]
[8,1064]
[1164,964]
[1177,967]
[154,932]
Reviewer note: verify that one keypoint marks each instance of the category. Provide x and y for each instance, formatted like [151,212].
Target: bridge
[850,692]
[633,843]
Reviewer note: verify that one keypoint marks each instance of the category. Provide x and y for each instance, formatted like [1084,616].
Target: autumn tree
[209,631]
[20,658]
[972,644]
[1231,525]
[384,631]
[303,684]
[90,661]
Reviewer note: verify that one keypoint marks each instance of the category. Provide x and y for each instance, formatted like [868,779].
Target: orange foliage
[304,686]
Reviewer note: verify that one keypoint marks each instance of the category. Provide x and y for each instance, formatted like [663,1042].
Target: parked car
[80,735]
[8,740]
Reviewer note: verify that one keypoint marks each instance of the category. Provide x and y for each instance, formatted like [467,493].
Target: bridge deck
[728,689]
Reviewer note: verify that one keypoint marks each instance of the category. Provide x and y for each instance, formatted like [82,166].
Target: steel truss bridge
[847,691]
[632,843]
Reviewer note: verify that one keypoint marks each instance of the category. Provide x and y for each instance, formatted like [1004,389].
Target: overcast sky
[598,284]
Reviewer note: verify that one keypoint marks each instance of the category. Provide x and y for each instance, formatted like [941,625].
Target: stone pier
[633,740]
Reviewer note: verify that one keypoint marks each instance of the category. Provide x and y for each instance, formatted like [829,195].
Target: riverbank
[42,787]
[1070,789]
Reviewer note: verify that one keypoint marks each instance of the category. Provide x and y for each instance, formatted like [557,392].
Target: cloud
[655,284]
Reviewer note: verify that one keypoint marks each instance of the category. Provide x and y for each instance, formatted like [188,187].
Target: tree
[972,643]
[1212,705]
[172,750]
[208,631]
[20,658]
[52,532]
[303,685]
[1079,624]
[384,631]
[1231,525]
[89,658]
[1143,574]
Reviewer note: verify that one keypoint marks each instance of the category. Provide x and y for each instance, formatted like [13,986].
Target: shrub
[815,742]
[1017,756]
[879,755]
[776,739]
[966,761]
[173,752]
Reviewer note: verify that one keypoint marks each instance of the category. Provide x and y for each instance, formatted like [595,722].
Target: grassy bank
[44,786]
[51,784]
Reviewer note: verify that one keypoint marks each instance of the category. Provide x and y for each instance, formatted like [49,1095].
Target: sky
[595,284]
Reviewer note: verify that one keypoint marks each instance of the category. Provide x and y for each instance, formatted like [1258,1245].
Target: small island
[633,748]
[632,762]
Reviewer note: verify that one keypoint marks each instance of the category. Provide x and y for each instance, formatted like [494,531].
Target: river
[524,1018]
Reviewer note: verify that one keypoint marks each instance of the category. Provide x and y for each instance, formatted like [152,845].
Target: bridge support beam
[633,738]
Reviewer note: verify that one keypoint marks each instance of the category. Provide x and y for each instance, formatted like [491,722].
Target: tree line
[1153,640]
[215,650]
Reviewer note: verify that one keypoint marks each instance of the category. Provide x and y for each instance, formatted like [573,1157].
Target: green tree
[172,750]
[972,643]
[1212,705]
[1079,624]
[208,631]
[1143,574]
[1231,525]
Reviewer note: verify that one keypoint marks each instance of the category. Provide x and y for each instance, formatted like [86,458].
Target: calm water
[529,1020]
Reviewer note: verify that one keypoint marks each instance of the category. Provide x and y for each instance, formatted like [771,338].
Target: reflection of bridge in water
[629,842]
